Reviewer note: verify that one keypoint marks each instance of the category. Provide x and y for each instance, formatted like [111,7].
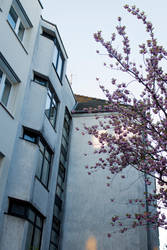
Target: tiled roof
[84,103]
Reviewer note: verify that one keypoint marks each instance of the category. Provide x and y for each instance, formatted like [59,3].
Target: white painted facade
[31,62]
[88,207]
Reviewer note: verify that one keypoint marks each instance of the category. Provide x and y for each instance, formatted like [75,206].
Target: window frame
[39,139]
[53,100]
[18,24]
[3,80]
[27,208]
[56,60]
[44,159]
[22,19]
[41,80]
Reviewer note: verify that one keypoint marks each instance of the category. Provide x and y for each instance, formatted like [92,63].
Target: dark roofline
[91,98]
[57,33]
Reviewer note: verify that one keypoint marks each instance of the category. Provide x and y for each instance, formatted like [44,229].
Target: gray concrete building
[47,200]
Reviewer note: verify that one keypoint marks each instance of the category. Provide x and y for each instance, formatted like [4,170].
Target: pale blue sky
[78,20]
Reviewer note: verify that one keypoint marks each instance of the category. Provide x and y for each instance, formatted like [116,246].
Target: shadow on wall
[91,243]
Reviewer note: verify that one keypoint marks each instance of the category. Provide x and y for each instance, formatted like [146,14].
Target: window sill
[57,74]
[17,37]
[3,106]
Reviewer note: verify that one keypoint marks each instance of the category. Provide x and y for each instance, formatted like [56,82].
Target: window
[44,163]
[40,80]
[16,23]
[18,19]
[5,88]
[44,157]
[30,136]
[51,106]
[26,211]
[48,34]
[8,84]
[34,234]
[65,138]
[56,223]
[1,162]
[58,60]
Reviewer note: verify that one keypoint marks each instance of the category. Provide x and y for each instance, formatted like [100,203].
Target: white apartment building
[47,201]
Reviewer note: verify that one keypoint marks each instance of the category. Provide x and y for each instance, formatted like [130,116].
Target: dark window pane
[1,73]
[51,106]
[12,17]
[60,180]
[40,162]
[64,143]
[6,92]
[59,191]
[53,247]
[61,171]
[48,106]
[31,215]
[29,237]
[44,163]
[40,80]
[58,201]
[29,138]
[17,209]
[30,135]
[59,66]
[55,56]
[41,146]
[37,239]
[47,155]
[53,115]
[45,173]
[54,237]
[39,221]
[21,31]
[62,159]
[56,225]
[47,35]
[65,134]
[56,211]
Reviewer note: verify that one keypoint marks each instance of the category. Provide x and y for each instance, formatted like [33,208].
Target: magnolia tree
[140,130]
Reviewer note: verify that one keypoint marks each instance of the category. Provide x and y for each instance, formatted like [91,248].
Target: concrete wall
[19,56]
[21,181]
[88,209]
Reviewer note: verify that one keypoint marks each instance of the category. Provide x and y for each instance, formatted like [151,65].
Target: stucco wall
[88,209]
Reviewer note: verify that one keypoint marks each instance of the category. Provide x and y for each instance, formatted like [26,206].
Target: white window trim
[2,86]
[22,14]
[10,75]
[16,29]
[22,18]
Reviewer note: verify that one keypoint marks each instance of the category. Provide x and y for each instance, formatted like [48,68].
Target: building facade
[43,201]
